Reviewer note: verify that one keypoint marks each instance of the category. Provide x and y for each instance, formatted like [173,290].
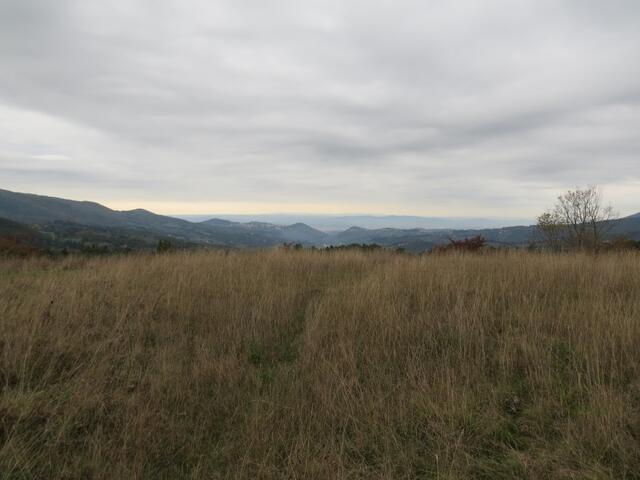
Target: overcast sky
[452,107]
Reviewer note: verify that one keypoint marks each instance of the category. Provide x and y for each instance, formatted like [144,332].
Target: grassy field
[319,365]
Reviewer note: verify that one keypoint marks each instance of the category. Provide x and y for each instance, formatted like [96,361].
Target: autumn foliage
[473,244]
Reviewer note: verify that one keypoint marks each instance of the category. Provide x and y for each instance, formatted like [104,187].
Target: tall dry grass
[313,365]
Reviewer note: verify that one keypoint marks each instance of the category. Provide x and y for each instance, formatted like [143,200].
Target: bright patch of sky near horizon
[452,108]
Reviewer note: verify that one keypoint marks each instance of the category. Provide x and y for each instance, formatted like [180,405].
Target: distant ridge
[39,209]
[51,212]
[76,223]
[338,223]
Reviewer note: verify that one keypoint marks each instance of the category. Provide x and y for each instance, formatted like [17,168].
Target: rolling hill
[72,224]
[91,222]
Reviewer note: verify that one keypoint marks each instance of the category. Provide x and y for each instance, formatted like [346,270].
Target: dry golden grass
[314,365]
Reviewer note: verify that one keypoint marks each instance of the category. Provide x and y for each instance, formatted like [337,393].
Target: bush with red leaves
[473,244]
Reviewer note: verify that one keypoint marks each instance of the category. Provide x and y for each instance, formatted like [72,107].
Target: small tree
[579,220]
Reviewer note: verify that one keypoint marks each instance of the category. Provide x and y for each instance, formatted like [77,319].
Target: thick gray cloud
[442,107]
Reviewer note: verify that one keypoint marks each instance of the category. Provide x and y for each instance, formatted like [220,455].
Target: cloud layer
[442,107]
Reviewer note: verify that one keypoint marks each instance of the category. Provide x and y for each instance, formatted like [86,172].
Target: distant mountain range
[337,223]
[74,225]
